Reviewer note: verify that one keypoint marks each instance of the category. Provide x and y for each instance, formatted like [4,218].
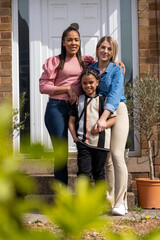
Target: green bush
[72,212]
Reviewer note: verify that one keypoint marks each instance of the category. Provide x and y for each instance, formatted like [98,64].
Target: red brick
[144,37]
[5,42]
[144,45]
[138,175]
[5,27]
[144,144]
[143,6]
[6,50]
[134,184]
[148,1]
[148,60]
[6,19]
[5,73]
[6,65]
[153,53]
[144,22]
[153,21]
[4,58]
[5,88]
[7,96]
[147,29]
[153,37]
[144,53]
[154,7]
[6,80]
[6,35]
[5,12]
[6,3]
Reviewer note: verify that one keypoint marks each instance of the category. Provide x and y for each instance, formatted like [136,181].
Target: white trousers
[116,169]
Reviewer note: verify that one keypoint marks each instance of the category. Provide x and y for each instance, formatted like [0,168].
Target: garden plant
[143,102]
[72,212]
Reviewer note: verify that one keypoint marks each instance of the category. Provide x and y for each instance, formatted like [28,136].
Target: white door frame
[37,40]
[15,68]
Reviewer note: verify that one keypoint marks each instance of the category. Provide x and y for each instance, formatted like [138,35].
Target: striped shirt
[91,114]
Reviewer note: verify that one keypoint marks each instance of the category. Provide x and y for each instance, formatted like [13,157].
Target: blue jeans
[56,121]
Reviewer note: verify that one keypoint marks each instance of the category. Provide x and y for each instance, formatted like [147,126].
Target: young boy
[92,149]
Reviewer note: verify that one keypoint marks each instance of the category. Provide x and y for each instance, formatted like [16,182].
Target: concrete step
[49,198]
[46,198]
[43,173]
[44,182]
[45,166]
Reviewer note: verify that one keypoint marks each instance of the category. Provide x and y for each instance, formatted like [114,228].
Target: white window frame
[15,68]
[135,65]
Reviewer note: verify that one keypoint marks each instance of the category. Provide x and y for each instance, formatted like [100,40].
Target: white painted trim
[114,22]
[135,60]
[15,67]
[135,38]
[104,17]
[35,69]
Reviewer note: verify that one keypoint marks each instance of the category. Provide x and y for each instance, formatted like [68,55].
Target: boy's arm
[72,129]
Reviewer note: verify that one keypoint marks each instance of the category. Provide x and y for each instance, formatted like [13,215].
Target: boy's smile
[89,84]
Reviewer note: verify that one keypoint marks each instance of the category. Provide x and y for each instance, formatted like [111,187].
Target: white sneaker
[126,211]
[120,211]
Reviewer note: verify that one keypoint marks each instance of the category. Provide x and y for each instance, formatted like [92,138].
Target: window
[127,48]
[23,30]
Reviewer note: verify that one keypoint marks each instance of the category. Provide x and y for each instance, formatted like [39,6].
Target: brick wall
[149,49]
[5,50]
[149,35]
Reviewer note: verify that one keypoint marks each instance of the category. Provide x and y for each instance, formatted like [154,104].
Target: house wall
[149,50]
[149,36]
[5,50]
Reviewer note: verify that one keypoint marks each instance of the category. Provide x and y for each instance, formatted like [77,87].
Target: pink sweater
[69,76]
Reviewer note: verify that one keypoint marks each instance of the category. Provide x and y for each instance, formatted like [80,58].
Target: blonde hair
[114,46]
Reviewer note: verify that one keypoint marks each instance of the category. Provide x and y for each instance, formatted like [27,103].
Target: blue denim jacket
[111,85]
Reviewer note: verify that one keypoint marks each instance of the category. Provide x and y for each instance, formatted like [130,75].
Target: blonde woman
[111,85]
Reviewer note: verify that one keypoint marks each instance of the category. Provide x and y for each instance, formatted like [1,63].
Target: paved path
[131,215]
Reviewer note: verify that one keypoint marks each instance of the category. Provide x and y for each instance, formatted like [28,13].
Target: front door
[47,21]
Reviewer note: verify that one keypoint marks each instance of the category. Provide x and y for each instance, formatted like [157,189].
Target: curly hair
[89,71]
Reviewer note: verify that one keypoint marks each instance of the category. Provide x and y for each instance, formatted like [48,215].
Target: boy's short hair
[89,71]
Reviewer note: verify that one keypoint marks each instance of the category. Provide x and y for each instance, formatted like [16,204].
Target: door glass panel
[24,67]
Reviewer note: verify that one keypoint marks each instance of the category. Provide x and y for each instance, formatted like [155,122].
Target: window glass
[23,31]
[126,49]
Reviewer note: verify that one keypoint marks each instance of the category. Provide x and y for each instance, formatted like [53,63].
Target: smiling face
[105,52]
[89,84]
[72,43]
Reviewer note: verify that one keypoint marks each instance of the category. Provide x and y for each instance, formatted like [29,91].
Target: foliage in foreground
[80,211]
[73,213]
